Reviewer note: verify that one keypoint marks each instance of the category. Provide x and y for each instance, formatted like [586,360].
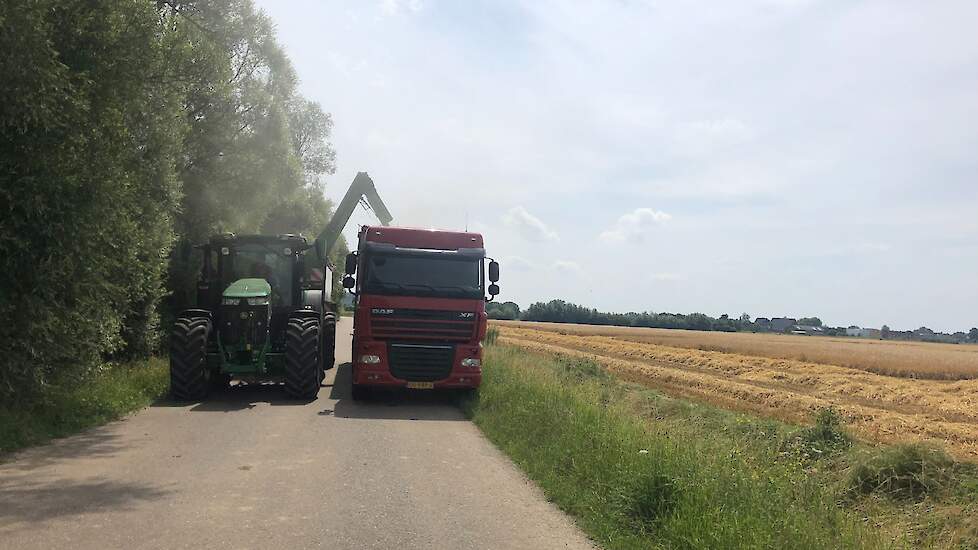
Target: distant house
[860,332]
[781,324]
[762,324]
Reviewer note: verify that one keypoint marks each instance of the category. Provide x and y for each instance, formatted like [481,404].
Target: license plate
[421,385]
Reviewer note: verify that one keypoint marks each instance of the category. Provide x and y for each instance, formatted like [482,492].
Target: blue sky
[774,157]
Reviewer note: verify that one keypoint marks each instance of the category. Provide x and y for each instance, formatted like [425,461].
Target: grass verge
[110,394]
[638,469]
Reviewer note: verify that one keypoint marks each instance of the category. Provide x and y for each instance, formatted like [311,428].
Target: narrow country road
[250,469]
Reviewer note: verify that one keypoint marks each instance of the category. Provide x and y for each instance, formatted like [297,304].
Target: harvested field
[904,359]
[878,408]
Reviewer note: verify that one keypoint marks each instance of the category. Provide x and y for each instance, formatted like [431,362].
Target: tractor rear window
[265,262]
[423,275]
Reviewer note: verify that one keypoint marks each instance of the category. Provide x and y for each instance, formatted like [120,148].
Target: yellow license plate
[421,385]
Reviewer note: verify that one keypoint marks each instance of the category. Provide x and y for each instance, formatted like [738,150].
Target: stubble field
[887,391]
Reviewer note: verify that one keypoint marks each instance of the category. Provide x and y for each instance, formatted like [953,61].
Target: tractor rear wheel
[302,358]
[329,342]
[188,358]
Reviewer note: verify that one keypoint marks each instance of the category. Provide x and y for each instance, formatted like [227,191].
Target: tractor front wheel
[302,358]
[188,358]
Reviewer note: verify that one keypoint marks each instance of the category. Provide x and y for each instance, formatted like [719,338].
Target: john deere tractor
[264,310]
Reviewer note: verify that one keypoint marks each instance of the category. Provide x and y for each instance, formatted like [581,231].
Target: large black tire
[302,366]
[328,347]
[188,358]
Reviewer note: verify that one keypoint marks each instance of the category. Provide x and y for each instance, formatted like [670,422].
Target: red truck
[420,308]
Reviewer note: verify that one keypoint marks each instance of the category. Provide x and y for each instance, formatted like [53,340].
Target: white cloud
[568,266]
[529,226]
[393,7]
[635,225]
[516,263]
[707,137]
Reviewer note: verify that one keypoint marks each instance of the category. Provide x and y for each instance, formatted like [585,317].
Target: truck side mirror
[351,265]
[349,282]
[493,289]
[494,273]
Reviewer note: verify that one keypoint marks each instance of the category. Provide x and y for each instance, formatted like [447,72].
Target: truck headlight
[260,301]
[471,362]
[370,359]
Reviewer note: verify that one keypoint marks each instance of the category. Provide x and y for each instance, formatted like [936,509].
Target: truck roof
[407,237]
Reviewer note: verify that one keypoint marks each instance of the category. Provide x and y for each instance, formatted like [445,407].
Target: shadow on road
[391,404]
[239,397]
[38,502]
[97,442]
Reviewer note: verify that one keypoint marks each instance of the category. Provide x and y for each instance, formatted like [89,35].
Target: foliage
[88,189]
[909,471]
[505,310]
[559,311]
[128,126]
[826,438]
[111,392]
[691,478]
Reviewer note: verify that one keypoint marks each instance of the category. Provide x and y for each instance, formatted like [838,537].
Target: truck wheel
[188,358]
[302,358]
[359,392]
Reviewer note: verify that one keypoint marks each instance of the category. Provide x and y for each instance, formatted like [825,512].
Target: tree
[810,321]
[885,332]
[504,310]
[88,185]
[973,335]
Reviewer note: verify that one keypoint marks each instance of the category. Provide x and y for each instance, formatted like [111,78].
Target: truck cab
[420,312]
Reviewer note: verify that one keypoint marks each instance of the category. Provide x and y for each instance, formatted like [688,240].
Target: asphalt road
[251,469]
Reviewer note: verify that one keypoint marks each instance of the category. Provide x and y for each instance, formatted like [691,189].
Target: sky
[774,157]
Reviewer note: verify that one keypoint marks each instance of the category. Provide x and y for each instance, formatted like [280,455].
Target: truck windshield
[423,275]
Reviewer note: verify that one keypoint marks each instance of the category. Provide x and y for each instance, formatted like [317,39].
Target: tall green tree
[88,186]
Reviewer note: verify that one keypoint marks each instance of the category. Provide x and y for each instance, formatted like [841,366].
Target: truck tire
[359,392]
[188,358]
[302,365]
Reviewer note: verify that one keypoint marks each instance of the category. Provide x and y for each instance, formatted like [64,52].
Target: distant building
[808,330]
[860,332]
[762,323]
[781,324]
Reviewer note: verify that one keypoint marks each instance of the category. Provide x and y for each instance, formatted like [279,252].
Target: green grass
[108,395]
[638,469]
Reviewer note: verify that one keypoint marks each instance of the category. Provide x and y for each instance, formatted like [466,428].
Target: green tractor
[264,310]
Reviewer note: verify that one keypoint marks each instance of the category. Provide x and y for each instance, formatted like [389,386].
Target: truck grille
[420,363]
[420,324]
